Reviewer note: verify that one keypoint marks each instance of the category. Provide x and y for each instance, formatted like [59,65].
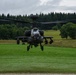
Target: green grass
[59,57]
[58,41]
[53,33]
[15,58]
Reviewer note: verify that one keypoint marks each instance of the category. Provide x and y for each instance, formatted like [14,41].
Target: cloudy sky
[17,7]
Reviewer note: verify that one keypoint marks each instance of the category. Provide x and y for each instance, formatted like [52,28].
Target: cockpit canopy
[35,29]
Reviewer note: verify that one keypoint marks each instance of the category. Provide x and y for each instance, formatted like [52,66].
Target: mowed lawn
[15,58]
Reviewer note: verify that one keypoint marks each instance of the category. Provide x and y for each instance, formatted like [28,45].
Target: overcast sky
[22,7]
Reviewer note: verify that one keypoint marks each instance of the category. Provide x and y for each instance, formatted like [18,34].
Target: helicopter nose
[36,36]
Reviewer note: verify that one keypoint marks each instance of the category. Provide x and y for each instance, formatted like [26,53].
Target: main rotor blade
[55,22]
[20,21]
[13,20]
[2,20]
[34,23]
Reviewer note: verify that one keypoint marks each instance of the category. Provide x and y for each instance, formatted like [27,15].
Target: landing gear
[18,41]
[42,48]
[28,47]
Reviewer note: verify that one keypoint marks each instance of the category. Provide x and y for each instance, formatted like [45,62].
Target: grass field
[60,57]
[15,58]
[58,41]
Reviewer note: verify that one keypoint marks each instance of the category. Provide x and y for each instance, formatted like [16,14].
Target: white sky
[68,3]
[17,7]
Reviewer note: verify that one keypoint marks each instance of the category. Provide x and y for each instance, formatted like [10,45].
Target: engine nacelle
[27,33]
[41,32]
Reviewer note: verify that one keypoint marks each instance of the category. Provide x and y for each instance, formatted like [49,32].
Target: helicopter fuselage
[35,37]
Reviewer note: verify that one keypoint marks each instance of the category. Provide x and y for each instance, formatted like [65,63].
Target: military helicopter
[35,36]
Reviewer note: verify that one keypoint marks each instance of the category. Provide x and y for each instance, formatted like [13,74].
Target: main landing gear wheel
[18,41]
[28,47]
[42,48]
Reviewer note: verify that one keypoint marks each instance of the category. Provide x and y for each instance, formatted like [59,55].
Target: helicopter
[35,36]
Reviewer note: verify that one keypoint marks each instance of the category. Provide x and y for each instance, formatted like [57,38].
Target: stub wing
[48,37]
[21,38]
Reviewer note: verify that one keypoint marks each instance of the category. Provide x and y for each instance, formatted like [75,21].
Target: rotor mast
[34,18]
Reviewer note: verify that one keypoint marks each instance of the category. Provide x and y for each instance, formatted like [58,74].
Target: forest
[10,30]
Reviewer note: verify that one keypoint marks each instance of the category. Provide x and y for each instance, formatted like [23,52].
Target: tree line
[41,18]
[68,30]
[10,30]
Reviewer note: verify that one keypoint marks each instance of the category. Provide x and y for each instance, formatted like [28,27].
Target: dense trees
[68,30]
[42,18]
[9,30]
